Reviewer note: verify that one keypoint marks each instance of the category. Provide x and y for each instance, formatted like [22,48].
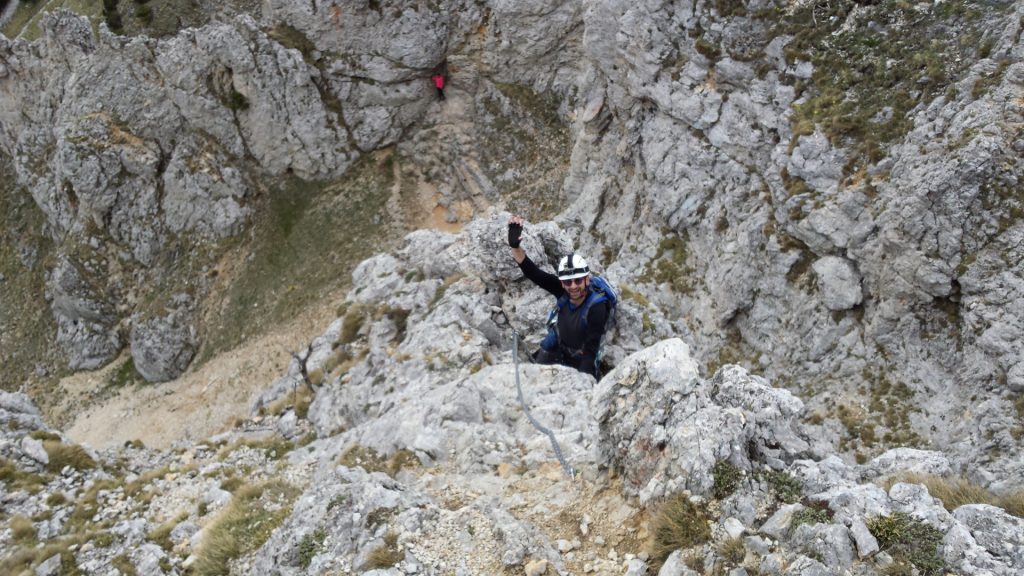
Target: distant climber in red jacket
[439,84]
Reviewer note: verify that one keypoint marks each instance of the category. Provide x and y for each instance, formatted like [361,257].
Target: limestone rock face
[86,319]
[660,423]
[839,283]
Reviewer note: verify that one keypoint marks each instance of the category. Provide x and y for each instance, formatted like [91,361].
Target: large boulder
[162,347]
[664,428]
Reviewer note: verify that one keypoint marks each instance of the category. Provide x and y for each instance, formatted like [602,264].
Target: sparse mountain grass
[124,565]
[385,555]
[299,399]
[126,375]
[669,263]
[22,530]
[731,550]
[243,526]
[883,423]
[274,447]
[910,543]
[341,222]
[957,491]
[28,324]
[868,77]
[161,535]
[17,479]
[523,133]
[62,455]
[25,20]
[372,461]
[677,523]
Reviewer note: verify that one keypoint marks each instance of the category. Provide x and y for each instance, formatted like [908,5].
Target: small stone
[599,540]
[564,546]
[536,567]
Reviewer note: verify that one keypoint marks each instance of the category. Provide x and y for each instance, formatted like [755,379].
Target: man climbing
[439,84]
[584,305]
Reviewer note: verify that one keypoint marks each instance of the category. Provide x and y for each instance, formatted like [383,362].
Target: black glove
[514,232]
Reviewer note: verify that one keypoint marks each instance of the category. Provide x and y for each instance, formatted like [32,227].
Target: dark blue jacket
[578,339]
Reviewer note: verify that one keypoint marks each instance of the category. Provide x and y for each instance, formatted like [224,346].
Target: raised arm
[545,280]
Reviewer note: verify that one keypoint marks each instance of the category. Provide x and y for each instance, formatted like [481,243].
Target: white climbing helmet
[572,266]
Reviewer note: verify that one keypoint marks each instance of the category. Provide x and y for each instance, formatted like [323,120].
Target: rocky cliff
[826,194]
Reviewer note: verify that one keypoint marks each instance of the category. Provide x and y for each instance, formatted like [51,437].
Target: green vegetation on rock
[307,239]
[254,512]
[26,322]
[873,64]
[910,542]
[677,523]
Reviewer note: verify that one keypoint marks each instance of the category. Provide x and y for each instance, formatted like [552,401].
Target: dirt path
[197,405]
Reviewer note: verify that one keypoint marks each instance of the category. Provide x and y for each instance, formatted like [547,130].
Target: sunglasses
[574,281]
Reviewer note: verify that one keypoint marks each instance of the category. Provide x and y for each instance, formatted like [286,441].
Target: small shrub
[56,499]
[727,479]
[310,546]
[909,541]
[811,514]
[787,488]
[144,12]
[114,21]
[678,523]
[237,101]
[62,455]
[22,529]
[386,555]
[400,318]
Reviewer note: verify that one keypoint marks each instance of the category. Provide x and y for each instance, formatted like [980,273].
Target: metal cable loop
[519,389]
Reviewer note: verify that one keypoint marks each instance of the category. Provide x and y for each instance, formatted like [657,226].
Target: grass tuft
[678,523]
[62,455]
[958,491]
[386,555]
[243,526]
[732,551]
[22,530]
